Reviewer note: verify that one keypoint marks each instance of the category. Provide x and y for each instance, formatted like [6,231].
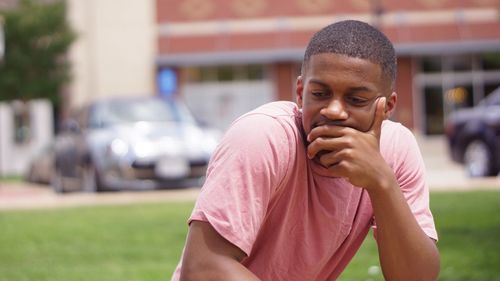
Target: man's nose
[335,110]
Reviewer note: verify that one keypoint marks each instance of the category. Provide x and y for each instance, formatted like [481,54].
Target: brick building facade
[229,56]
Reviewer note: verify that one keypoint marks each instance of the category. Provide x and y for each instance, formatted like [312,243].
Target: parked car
[474,136]
[131,143]
[41,166]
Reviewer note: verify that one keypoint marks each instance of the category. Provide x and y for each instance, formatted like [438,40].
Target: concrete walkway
[32,196]
[442,175]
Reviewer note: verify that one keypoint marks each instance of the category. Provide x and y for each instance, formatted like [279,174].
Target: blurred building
[114,54]
[228,56]
[19,141]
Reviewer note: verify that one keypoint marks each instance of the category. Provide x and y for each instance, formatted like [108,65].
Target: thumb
[379,117]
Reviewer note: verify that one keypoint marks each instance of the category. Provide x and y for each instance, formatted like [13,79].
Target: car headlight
[119,147]
[145,149]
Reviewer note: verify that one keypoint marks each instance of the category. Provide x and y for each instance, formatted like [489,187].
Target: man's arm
[405,251]
[208,256]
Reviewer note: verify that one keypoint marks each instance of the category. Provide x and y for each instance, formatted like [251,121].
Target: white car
[132,143]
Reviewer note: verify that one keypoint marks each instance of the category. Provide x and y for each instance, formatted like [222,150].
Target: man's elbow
[433,268]
[202,270]
[190,275]
[192,272]
[435,263]
[436,268]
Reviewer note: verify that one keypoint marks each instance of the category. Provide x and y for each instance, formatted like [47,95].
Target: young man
[293,189]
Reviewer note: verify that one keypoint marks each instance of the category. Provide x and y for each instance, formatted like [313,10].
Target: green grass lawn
[132,242]
[468,225]
[144,241]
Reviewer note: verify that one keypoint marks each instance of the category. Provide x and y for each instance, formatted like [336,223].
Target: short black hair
[354,39]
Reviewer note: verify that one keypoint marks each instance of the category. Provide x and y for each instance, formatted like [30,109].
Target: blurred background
[223,58]
[135,94]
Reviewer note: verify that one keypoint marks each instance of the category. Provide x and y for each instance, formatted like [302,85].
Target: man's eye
[357,101]
[319,94]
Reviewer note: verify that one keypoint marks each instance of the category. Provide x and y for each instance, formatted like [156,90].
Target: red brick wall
[403,21]
[285,76]
[404,89]
[189,10]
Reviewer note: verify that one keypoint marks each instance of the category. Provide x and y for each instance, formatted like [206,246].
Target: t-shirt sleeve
[403,154]
[246,168]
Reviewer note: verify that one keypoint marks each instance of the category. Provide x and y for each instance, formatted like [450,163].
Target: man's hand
[352,154]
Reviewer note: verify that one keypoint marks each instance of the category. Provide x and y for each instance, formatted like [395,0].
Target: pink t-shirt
[265,196]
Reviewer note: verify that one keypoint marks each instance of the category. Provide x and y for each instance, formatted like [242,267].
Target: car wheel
[57,182]
[477,159]
[89,179]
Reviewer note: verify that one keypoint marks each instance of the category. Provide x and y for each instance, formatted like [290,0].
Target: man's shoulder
[396,140]
[277,109]
[271,120]
[278,113]
[391,129]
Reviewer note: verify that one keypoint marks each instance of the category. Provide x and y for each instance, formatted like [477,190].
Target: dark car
[474,136]
[131,143]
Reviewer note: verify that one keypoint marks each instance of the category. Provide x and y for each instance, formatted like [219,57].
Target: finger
[322,144]
[326,131]
[338,170]
[330,159]
[379,117]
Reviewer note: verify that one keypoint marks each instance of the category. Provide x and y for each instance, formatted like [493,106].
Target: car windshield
[492,99]
[139,110]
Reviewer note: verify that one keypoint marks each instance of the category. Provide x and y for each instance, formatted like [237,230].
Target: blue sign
[167,82]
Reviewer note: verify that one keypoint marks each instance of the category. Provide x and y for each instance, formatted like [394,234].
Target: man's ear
[390,104]
[299,90]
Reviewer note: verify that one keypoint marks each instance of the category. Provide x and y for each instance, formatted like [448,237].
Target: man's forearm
[406,252]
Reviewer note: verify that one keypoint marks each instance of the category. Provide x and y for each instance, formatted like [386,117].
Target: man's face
[340,90]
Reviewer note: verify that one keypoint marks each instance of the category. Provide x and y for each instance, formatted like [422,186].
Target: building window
[447,83]
[225,73]
[22,123]
[490,61]
[207,74]
[218,94]
[458,63]
[431,64]
[255,72]
[433,97]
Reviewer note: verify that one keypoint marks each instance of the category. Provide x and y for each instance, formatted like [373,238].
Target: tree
[37,38]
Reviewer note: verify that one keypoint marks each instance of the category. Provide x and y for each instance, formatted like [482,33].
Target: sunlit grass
[133,242]
[468,224]
[144,241]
